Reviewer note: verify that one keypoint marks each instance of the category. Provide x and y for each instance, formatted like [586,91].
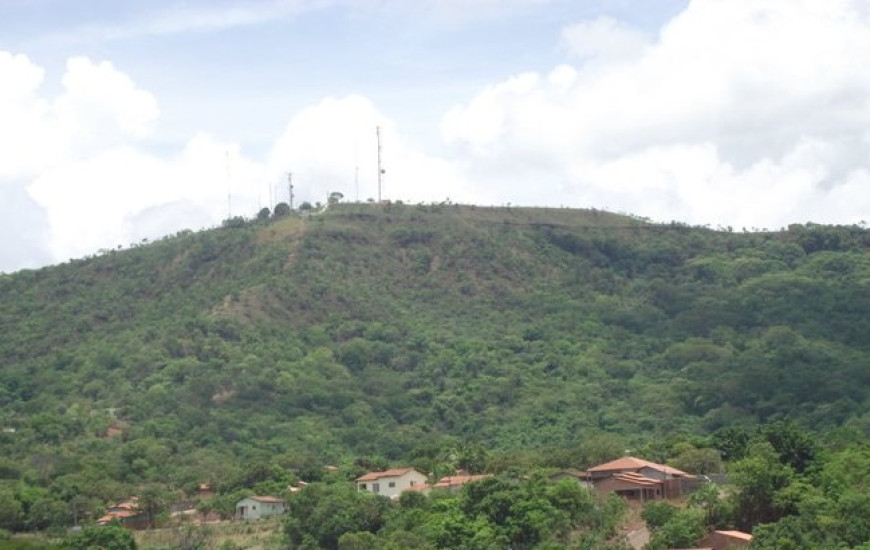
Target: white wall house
[390,483]
[259,507]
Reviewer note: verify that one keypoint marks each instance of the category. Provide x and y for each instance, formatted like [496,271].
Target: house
[637,478]
[259,507]
[453,483]
[204,491]
[127,514]
[390,483]
[720,540]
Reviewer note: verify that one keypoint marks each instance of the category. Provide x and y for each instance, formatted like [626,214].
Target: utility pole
[290,188]
[380,170]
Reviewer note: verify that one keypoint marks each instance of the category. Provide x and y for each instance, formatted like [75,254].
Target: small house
[259,507]
[390,483]
[126,514]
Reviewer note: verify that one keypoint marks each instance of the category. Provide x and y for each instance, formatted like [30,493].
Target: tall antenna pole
[355,173]
[380,170]
[290,188]
[229,189]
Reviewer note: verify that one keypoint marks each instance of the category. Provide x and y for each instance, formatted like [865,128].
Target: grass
[237,535]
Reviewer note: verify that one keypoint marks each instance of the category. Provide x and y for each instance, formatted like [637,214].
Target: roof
[420,487]
[637,479]
[266,499]
[132,504]
[452,481]
[736,535]
[634,463]
[395,472]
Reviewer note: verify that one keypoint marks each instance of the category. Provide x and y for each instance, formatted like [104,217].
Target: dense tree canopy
[437,335]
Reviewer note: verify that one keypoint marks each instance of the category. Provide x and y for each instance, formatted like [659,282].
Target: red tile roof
[452,481]
[395,472]
[637,479]
[634,463]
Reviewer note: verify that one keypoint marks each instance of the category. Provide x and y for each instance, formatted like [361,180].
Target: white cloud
[324,145]
[78,178]
[101,106]
[743,112]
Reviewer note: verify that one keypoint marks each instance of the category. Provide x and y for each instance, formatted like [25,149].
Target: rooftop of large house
[634,463]
[637,479]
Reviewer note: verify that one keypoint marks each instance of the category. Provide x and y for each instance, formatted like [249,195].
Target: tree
[282,209]
[698,461]
[758,478]
[263,214]
[334,198]
[682,530]
[107,537]
[359,541]
[10,510]
[152,502]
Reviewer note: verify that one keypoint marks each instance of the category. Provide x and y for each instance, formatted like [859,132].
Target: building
[390,483]
[259,507]
[637,478]
[453,483]
[126,514]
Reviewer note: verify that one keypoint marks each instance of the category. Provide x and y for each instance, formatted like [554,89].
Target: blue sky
[126,120]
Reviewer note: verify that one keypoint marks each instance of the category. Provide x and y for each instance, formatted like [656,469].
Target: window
[362,486]
[392,484]
[376,487]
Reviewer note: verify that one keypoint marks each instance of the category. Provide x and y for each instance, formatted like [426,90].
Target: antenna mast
[229,188]
[290,188]
[380,170]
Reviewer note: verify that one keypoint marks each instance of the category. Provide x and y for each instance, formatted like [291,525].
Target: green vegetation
[493,513]
[440,335]
[787,491]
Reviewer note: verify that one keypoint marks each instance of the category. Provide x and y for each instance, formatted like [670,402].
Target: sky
[122,121]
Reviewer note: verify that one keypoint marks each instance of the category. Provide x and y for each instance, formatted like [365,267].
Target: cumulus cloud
[101,106]
[741,112]
[79,178]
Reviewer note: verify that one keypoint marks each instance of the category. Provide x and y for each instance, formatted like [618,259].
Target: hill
[395,331]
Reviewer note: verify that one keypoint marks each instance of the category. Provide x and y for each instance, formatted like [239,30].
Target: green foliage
[657,513]
[103,538]
[440,335]
[682,530]
[322,514]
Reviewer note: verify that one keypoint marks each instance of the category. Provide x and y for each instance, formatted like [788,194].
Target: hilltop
[394,331]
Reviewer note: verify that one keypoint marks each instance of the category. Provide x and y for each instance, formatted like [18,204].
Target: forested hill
[383,330]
